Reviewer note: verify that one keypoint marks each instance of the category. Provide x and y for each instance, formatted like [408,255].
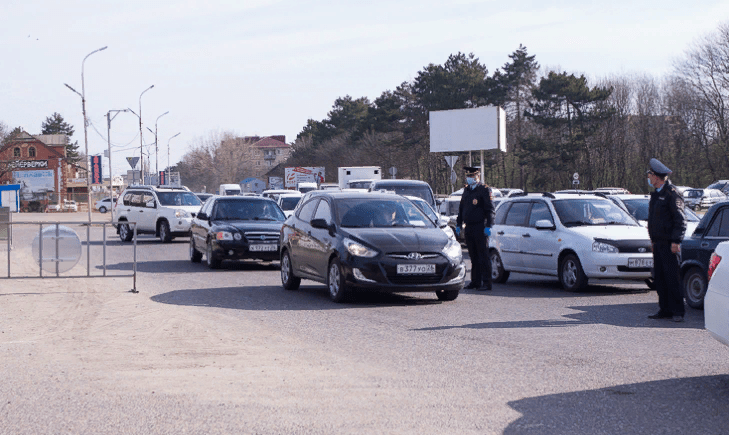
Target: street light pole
[86,136]
[108,141]
[168,157]
[141,134]
[156,151]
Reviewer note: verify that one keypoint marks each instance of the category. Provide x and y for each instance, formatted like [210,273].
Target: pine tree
[55,124]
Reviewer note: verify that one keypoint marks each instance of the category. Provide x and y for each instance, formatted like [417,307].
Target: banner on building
[34,184]
[162,178]
[31,164]
[96,175]
[275,183]
[303,174]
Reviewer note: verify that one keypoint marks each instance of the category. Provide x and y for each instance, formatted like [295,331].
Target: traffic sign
[453,177]
[133,161]
[576,182]
[393,171]
[451,160]
[575,176]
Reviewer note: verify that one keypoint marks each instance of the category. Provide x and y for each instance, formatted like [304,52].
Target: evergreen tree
[55,124]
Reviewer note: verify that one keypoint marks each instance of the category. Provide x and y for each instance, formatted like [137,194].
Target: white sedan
[103,205]
[716,302]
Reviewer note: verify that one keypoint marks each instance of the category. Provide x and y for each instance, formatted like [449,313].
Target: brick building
[38,164]
[267,152]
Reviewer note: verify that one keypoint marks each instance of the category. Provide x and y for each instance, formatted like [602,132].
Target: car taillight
[713,262]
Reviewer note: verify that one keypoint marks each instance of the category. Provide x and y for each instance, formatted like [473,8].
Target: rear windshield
[178,198]
[694,193]
[404,189]
[359,184]
[289,203]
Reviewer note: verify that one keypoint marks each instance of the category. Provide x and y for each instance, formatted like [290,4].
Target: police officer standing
[666,227]
[477,211]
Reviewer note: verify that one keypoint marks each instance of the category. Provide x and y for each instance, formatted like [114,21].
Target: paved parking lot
[230,351]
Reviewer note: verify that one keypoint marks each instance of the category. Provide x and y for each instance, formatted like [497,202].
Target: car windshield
[591,211]
[717,186]
[289,202]
[425,208]
[404,189]
[359,184]
[380,213]
[638,208]
[694,193]
[242,209]
[178,198]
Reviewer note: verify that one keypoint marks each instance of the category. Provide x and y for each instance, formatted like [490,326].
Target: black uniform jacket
[476,207]
[666,219]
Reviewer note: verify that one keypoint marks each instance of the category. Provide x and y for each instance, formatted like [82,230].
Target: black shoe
[485,287]
[677,319]
[660,315]
[472,285]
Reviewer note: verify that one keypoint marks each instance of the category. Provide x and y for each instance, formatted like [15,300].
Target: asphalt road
[230,351]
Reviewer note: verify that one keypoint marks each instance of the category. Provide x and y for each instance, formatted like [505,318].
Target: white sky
[263,67]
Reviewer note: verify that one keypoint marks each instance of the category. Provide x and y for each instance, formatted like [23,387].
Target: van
[229,190]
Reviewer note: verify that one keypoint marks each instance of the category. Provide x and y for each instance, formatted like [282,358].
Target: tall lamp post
[109,118]
[156,151]
[86,136]
[168,156]
[141,134]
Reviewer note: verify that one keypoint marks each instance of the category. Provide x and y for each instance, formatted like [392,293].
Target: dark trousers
[477,244]
[667,280]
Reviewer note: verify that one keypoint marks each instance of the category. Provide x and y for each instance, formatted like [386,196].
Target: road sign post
[393,171]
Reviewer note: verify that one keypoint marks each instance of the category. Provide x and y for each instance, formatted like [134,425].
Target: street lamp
[156,151]
[108,141]
[168,156]
[86,137]
[141,134]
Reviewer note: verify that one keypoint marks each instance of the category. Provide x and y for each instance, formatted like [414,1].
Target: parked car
[406,187]
[638,205]
[716,303]
[289,201]
[495,193]
[573,237]
[711,197]
[274,193]
[692,198]
[203,196]
[613,190]
[105,204]
[369,241]
[164,211]
[66,205]
[236,228]
[722,185]
[329,186]
[696,252]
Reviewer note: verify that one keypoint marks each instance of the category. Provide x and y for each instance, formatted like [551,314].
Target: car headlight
[450,233]
[181,214]
[453,251]
[604,247]
[358,250]
[223,235]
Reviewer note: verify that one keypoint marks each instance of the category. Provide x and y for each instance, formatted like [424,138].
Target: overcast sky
[263,67]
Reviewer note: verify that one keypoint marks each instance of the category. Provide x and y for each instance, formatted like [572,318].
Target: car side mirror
[544,224]
[443,222]
[202,216]
[320,223]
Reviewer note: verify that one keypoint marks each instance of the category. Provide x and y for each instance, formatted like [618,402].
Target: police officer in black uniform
[666,227]
[477,211]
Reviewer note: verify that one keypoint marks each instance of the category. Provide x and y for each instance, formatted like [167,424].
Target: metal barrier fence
[57,258]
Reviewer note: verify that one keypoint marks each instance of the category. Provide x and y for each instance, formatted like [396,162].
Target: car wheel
[195,255]
[694,287]
[125,233]
[498,274]
[447,295]
[336,282]
[288,280]
[164,232]
[571,276]
[102,209]
[212,261]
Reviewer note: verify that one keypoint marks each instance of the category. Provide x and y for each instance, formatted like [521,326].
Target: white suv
[166,212]
[573,237]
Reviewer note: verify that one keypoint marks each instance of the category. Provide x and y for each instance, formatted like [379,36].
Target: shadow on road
[186,266]
[626,315]
[698,405]
[315,297]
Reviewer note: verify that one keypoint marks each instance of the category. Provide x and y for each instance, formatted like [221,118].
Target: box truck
[360,173]
[229,189]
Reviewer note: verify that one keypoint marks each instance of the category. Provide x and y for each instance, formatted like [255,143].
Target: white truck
[229,190]
[360,173]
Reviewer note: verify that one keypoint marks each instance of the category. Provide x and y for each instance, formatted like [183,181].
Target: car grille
[630,246]
[261,236]
[405,255]
[635,269]
[414,279]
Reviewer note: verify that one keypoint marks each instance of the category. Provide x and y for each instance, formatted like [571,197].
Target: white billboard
[303,174]
[480,128]
[35,184]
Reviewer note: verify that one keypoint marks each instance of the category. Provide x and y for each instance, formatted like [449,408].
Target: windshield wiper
[576,223]
[263,219]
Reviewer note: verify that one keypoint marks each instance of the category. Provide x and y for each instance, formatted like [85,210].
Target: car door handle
[526,235]
[501,233]
[141,211]
[704,244]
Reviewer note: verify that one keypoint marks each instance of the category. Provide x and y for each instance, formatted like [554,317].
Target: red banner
[96,176]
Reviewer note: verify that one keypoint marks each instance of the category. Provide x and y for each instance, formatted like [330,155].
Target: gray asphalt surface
[230,351]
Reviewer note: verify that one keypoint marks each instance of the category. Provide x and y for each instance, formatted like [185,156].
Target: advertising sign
[96,176]
[28,164]
[34,184]
[275,183]
[162,178]
[303,174]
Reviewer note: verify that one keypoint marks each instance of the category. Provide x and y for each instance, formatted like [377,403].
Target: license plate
[640,262]
[263,248]
[415,269]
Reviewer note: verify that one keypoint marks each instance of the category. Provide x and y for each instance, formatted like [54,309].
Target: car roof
[400,181]
[631,196]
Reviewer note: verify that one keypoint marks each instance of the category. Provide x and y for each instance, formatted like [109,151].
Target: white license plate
[415,269]
[259,248]
[640,262]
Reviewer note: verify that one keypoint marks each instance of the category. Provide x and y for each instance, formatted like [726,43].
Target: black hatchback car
[369,241]
[236,228]
[697,249]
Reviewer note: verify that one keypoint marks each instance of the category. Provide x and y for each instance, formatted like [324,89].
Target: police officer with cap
[666,227]
[477,211]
